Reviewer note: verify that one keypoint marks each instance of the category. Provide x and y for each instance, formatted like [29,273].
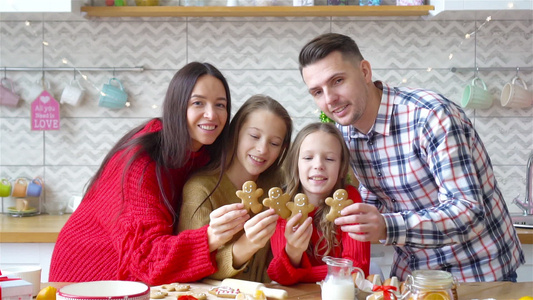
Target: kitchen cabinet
[255,11]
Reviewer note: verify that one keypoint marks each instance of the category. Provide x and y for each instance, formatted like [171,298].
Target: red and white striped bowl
[107,289]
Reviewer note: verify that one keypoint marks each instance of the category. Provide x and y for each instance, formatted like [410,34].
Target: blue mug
[35,187]
[113,96]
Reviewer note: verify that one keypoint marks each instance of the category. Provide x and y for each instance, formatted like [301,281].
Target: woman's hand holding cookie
[298,237]
[224,223]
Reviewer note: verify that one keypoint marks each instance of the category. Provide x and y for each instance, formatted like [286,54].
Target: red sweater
[312,270]
[108,238]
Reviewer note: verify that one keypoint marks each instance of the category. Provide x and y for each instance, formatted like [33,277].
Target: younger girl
[316,165]
[260,135]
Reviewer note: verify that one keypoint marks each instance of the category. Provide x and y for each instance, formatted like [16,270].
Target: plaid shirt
[425,168]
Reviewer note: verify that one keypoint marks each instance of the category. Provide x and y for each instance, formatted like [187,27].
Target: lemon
[526,298]
[48,293]
[259,295]
[435,296]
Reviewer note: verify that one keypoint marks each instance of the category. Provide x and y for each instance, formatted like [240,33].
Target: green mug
[5,188]
[475,96]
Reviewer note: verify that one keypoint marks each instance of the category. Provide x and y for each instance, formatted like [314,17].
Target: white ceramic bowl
[105,290]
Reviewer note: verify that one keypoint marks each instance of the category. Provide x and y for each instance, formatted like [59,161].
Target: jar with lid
[430,284]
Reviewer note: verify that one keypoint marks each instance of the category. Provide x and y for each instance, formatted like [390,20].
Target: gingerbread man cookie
[300,205]
[338,202]
[249,196]
[278,201]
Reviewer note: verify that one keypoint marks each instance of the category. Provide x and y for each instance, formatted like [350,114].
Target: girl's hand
[224,223]
[298,238]
[260,228]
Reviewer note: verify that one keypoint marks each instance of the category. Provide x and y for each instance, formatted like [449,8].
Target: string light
[467,36]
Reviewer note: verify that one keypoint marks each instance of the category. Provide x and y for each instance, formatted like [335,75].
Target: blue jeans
[510,277]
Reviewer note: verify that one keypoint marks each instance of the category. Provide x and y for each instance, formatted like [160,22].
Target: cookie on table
[278,201]
[158,294]
[300,205]
[337,203]
[250,196]
[224,292]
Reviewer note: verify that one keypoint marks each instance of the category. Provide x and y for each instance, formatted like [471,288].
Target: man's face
[339,87]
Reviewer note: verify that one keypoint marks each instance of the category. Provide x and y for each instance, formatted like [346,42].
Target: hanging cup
[7,93]
[72,93]
[5,188]
[37,88]
[19,187]
[113,96]
[516,95]
[475,96]
[35,187]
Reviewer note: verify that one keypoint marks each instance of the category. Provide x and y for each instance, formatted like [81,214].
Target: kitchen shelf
[256,11]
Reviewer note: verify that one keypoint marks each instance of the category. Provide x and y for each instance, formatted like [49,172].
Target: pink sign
[45,112]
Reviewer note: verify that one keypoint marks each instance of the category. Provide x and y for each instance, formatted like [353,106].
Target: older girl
[123,228]
[316,165]
[261,132]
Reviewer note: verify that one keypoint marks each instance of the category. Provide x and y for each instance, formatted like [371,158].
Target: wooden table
[478,290]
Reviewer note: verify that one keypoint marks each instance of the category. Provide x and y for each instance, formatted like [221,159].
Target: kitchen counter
[45,228]
[35,229]
[473,290]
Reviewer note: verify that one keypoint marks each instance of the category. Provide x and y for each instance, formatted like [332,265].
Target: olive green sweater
[195,214]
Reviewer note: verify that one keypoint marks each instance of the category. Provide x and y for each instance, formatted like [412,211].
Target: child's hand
[224,223]
[260,228]
[298,238]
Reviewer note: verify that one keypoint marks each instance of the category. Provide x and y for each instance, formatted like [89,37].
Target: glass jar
[431,284]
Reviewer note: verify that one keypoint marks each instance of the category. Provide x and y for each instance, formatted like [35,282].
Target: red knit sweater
[107,238]
[312,270]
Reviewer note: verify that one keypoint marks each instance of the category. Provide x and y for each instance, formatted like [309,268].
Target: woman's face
[260,142]
[206,111]
[319,163]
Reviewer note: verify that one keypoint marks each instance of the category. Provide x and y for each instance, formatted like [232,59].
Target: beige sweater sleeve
[195,214]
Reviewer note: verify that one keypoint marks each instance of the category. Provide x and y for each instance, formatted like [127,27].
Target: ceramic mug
[475,96]
[35,187]
[35,89]
[515,95]
[113,96]
[7,93]
[72,93]
[5,188]
[19,187]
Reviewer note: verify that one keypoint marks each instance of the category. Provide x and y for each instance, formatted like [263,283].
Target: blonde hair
[293,185]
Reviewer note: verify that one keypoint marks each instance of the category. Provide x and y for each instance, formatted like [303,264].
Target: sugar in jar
[430,284]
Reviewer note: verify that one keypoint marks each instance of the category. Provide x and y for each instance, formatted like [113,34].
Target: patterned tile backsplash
[256,57]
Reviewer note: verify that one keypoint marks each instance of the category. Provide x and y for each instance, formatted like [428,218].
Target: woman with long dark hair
[124,227]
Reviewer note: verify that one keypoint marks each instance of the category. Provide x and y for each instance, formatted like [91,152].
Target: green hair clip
[324,118]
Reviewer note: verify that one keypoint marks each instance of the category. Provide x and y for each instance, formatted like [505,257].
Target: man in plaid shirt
[425,177]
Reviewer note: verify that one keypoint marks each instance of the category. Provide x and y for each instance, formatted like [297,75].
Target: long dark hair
[170,147]
[292,179]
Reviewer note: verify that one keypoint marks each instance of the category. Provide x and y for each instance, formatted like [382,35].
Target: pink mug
[7,93]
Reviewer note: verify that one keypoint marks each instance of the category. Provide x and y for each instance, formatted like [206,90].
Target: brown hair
[328,229]
[322,45]
[170,147]
[255,103]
